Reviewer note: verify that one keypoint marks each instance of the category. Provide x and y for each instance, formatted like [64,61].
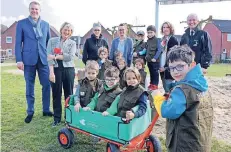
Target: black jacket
[91,46]
[171,42]
[139,46]
[200,43]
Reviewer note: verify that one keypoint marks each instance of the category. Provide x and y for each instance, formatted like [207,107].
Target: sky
[83,13]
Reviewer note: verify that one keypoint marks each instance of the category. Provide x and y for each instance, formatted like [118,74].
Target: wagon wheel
[153,144]
[111,148]
[65,137]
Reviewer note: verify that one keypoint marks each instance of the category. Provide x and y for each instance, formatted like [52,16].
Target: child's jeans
[154,72]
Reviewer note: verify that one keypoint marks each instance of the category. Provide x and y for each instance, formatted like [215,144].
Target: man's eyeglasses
[179,67]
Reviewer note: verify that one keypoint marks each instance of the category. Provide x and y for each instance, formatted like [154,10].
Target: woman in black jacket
[167,42]
[92,44]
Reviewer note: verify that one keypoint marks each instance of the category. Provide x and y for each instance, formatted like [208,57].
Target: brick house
[220,33]
[8,39]
[106,35]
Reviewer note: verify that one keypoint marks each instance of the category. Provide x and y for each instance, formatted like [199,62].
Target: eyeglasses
[121,29]
[109,80]
[179,67]
[96,30]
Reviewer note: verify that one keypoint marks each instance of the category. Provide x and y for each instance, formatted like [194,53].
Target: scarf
[36,27]
[164,43]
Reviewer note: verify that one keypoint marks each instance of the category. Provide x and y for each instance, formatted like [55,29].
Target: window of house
[229,37]
[10,52]
[8,39]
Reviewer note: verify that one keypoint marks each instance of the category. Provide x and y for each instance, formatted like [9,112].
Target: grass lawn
[39,136]
[219,70]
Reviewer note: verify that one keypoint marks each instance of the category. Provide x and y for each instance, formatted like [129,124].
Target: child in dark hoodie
[188,108]
[121,64]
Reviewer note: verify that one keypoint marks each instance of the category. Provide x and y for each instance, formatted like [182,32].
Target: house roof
[223,25]
[3,28]
[54,30]
[9,27]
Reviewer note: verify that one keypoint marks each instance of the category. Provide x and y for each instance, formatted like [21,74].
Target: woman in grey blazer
[61,52]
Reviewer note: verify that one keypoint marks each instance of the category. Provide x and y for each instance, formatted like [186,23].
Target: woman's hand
[59,57]
[77,107]
[86,108]
[129,115]
[51,57]
[153,60]
[52,77]
[105,113]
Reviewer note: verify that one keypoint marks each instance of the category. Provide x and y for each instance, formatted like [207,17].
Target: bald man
[199,41]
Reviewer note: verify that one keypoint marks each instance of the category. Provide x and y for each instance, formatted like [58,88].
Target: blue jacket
[27,47]
[175,106]
[128,50]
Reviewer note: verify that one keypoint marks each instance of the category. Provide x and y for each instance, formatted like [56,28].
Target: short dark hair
[183,53]
[112,72]
[151,28]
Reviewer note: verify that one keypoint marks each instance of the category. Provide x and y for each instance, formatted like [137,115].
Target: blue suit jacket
[27,47]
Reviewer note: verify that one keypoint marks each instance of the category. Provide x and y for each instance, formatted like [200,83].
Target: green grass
[39,136]
[219,70]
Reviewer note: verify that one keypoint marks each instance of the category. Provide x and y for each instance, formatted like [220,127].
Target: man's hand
[204,71]
[153,60]
[52,77]
[77,107]
[86,108]
[105,113]
[134,54]
[129,115]
[20,66]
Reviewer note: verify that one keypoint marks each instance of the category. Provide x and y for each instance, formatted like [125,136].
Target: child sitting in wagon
[108,92]
[133,95]
[87,87]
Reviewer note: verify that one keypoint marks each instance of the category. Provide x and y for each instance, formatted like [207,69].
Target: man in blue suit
[32,35]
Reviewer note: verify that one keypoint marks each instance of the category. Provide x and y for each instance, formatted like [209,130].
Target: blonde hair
[92,65]
[66,24]
[133,70]
[102,49]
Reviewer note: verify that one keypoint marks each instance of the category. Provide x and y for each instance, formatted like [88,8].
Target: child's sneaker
[152,87]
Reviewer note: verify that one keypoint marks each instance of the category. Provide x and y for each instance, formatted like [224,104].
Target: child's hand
[156,92]
[77,107]
[105,113]
[86,108]
[129,115]
[153,60]
[135,54]
[162,69]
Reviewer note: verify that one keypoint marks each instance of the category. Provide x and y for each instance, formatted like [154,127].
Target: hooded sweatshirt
[175,105]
